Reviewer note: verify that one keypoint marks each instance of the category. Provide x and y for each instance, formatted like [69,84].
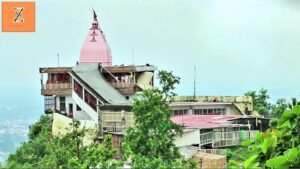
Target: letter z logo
[18,16]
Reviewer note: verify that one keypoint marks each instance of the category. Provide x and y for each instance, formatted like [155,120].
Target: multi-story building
[100,95]
[93,91]
[213,105]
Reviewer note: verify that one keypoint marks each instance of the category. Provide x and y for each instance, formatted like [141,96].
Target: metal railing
[224,139]
[206,138]
[214,151]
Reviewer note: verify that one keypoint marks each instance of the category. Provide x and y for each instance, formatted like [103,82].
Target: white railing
[206,138]
[253,133]
[214,151]
[50,86]
[226,142]
[224,139]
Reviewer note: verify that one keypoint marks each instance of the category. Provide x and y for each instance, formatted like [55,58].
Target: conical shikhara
[95,48]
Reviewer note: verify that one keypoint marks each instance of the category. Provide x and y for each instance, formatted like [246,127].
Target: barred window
[62,103]
[49,102]
[211,111]
[180,112]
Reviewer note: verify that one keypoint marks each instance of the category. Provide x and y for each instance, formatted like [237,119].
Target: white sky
[236,45]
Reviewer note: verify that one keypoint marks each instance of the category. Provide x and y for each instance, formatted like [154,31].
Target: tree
[294,103]
[43,150]
[260,101]
[278,108]
[150,144]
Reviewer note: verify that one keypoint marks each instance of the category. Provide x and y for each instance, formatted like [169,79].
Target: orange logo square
[18,16]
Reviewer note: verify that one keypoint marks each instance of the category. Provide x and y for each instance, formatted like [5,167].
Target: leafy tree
[43,150]
[260,101]
[281,105]
[278,108]
[294,103]
[150,144]
[278,147]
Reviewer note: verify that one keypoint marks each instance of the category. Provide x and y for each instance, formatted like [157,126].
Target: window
[180,112]
[78,108]
[78,88]
[210,111]
[90,99]
[62,103]
[49,102]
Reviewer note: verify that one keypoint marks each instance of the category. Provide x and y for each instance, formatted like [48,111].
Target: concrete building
[213,105]
[217,131]
[100,95]
[94,91]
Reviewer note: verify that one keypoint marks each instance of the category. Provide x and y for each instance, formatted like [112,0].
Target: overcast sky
[236,45]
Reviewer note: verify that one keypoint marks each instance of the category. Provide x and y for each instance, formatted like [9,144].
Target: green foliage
[282,105]
[278,147]
[167,82]
[278,108]
[260,101]
[150,144]
[43,150]
[249,162]
[233,164]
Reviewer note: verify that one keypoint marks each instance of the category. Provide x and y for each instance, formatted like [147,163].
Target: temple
[95,48]
[100,96]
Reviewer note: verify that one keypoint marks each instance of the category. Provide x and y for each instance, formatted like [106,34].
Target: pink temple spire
[95,48]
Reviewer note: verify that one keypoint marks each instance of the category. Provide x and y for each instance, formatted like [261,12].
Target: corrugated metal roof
[205,121]
[90,75]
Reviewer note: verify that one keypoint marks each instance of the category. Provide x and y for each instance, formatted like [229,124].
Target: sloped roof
[91,77]
[205,121]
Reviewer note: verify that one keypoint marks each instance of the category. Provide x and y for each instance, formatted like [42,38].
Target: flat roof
[55,69]
[130,68]
[198,103]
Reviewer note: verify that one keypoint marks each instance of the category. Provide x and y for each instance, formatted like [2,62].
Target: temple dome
[95,48]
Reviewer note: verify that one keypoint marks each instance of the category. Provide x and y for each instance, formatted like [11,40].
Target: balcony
[225,139]
[124,88]
[56,89]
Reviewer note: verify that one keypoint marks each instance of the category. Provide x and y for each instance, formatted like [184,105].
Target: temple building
[93,91]
[100,96]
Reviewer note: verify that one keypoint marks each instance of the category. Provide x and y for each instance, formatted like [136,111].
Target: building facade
[100,96]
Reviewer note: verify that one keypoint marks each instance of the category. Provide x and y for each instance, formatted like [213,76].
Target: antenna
[194,83]
[58,59]
[132,56]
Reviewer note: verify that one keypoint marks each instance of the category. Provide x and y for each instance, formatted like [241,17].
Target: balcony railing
[122,85]
[224,139]
[206,138]
[51,86]
[56,89]
[214,151]
[124,88]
